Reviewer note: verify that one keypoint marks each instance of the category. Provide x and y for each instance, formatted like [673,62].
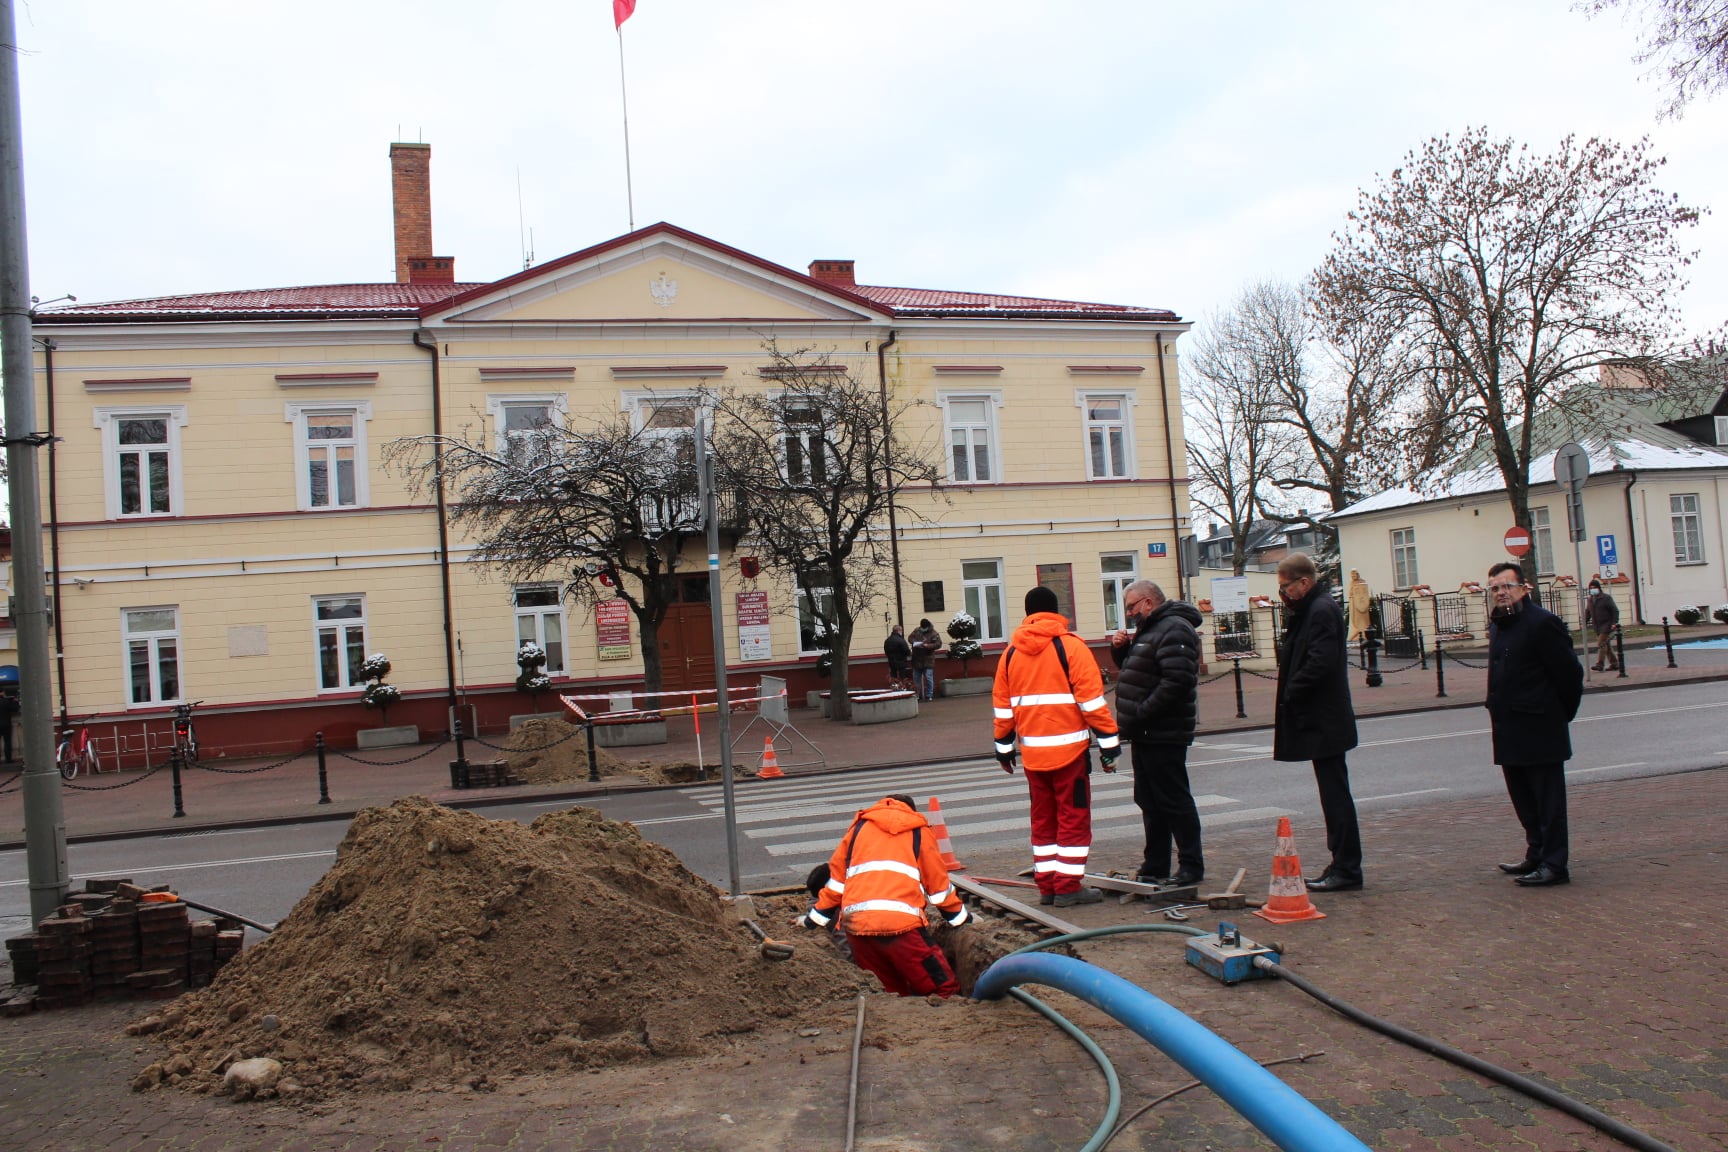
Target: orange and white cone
[770,769]
[943,844]
[1287,901]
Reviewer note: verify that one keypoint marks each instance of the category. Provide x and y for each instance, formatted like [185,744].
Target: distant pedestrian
[899,654]
[926,642]
[882,874]
[9,709]
[1156,708]
[1314,719]
[1535,683]
[1049,701]
[1604,618]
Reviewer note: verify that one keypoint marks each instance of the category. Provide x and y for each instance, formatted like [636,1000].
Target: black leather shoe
[1332,882]
[1542,878]
[1084,896]
[1187,879]
[1521,868]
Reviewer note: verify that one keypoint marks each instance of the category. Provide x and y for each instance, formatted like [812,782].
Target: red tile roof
[311,302]
[931,302]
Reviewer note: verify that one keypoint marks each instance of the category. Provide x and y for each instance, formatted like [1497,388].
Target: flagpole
[624,90]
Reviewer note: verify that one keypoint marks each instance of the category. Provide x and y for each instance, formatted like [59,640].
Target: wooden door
[687,648]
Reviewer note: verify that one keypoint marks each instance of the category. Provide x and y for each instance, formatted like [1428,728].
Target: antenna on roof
[521,225]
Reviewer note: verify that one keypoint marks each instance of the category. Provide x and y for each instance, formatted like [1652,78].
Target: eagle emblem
[663,290]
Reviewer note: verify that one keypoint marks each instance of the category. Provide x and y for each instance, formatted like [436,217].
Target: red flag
[622,10]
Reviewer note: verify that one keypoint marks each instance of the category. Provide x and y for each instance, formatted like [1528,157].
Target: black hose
[264,928]
[1536,1090]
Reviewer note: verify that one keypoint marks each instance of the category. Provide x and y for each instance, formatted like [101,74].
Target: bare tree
[582,505]
[1689,40]
[1514,277]
[1237,442]
[817,466]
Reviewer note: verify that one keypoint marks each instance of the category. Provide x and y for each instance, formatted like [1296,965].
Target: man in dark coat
[1535,682]
[1314,720]
[1156,707]
[1604,615]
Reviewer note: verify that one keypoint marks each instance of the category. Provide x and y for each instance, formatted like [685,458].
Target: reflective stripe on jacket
[876,883]
[1050,710]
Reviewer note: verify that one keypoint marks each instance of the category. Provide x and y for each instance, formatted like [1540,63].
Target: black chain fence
[535,748]
[1466,663]
[145,775]
[3,783]
[390,763]
[289,759]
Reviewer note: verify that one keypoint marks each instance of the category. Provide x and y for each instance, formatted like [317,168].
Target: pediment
[660,274]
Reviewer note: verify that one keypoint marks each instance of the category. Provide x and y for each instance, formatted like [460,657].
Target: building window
[1542,542]
[1722,431]
[806,447]
[540,621]
[812,624]
[1109,436]
[330,454]
[152,655]
[340,629]
[971,429]
[981,581]
[1688,528]
[520,423]
[141,460]
[1119,571]
[1403,557]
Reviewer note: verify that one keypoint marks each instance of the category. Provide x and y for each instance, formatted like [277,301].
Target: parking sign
[1605,551]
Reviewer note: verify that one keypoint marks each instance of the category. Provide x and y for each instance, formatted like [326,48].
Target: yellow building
[223,528]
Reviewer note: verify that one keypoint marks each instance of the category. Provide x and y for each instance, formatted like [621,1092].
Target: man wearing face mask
[1314,719]
[1604,615]
[1535,683]
[1156,707]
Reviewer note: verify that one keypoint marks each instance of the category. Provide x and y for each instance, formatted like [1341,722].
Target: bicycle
[76,752]
[185,737]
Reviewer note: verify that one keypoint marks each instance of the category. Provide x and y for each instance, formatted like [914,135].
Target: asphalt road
[786,826]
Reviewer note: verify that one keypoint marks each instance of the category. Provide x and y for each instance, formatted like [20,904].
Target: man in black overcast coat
[1314,719]
[1535,683]
[1157,703]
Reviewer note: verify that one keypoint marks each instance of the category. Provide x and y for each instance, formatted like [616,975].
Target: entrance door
[687,638]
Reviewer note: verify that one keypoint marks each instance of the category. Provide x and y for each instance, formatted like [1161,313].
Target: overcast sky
[1129,151]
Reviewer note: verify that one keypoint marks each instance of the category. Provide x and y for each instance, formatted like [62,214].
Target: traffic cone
[943,844]
[1287,901]
[770,769]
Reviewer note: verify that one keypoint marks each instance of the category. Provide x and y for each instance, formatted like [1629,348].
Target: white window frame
[824,597]
[1402,561]
[1721,431]
[992,401]
[1688,526]
[1128,398]
[1114,584]
[538,613]
[106,420]
[557,407]
[812,444]
[1542,541]
[637,401]
[974,593]
[295,413]
[153,639]
[340,626]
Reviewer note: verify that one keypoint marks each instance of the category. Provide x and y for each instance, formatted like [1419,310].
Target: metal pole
[1422,648]
[1241,709]
[461,752]
[1620,649]
[1668,642]
[593,758]
[1371,649]
[323,772]
[1439,669]
[723,707]
[44,821]
[174,763]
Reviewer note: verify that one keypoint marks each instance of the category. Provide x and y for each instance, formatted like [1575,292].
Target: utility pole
[44,823]
[710,502]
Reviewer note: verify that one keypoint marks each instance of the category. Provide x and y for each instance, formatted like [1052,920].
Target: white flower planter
[392,737]
[967,685]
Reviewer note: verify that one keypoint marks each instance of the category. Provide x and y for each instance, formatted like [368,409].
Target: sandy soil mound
[446,949]
[549,751]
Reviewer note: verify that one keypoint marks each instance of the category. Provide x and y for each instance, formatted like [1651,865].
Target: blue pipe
[1287,1118]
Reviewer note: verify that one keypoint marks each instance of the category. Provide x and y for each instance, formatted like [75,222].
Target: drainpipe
[887,438]
[1170,455]
[54,530]
[1632,543]
[443,526]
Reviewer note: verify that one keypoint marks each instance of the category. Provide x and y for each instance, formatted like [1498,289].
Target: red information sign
[753,608]
[1517,541]
[612,629]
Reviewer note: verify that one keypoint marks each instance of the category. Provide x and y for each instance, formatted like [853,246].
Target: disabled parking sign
[1606,554]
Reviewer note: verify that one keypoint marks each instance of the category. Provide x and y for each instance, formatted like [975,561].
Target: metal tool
[771,949]
[1230,897]
[1180,911]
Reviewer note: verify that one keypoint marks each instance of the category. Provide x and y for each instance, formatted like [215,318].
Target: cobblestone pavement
[1609,989]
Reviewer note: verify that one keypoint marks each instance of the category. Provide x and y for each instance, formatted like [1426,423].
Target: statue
[1361,607]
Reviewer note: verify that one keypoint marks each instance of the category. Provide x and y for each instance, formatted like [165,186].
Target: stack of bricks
[496,774]
[112,940]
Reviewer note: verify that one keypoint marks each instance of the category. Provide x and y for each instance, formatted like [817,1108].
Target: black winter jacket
[1314,717]
[1535,683]
[1156,693]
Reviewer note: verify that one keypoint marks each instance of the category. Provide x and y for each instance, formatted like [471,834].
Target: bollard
[593,760]
[1422,648]
[1439,669]
[1371,646]
[1620,649]
[458,766]
[174,762]
[1668,642]
[1241,709]
[323,775]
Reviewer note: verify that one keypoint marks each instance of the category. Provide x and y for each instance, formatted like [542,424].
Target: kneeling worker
[883,872]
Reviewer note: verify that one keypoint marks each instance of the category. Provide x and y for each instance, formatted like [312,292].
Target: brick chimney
[411,202]
[837,272]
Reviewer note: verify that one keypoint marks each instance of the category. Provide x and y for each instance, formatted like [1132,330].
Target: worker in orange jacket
[883,872]
[1049,696]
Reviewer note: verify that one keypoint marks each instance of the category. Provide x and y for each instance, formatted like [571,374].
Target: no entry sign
[1517,541]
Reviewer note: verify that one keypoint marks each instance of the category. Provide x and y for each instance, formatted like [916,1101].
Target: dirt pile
[446,949]
[550,751]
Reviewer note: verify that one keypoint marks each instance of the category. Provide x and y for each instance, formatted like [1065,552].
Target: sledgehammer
[771,949]
[1229,898]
